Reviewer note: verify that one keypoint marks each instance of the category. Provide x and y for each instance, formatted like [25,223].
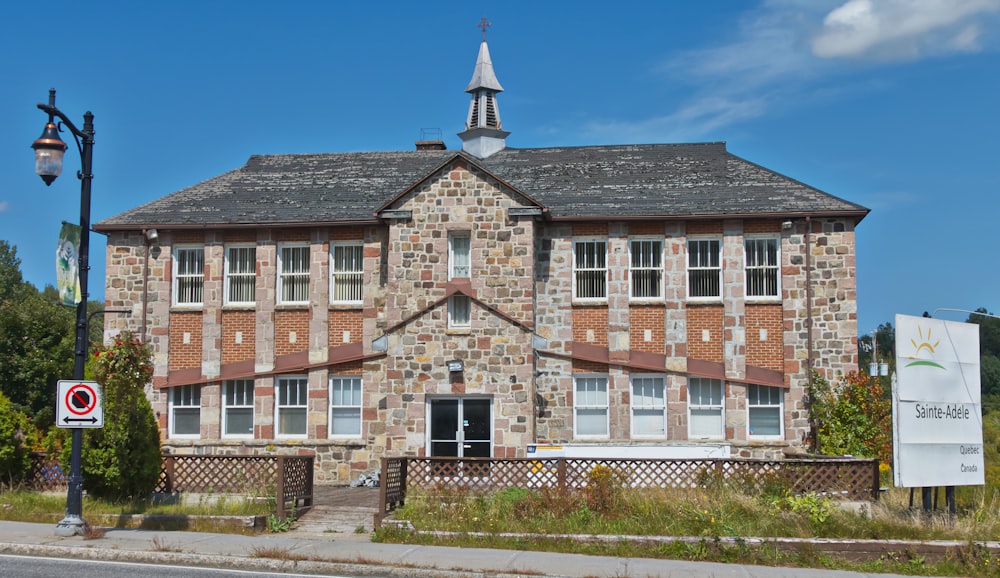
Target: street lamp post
[49,149]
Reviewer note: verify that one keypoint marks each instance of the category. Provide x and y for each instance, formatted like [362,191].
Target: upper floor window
[345,406]
[704,268]
[347,272]
[590,405]
[291,406]
[764,409]
[293,274]
[761,262]
[646,270]
[649,406]
[705,408]
[459,254]
[241,274]
[459,312]
[189,275]
[590,270]
[237,408]
[185,411]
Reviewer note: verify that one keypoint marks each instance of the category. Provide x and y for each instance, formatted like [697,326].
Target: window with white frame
[185,411]
[241,274]
[291,406]
[347,269]
[704,268]
[761,259]
[237,408]
[649,406]
[293,274]
[459,254]
[189,275]
[590,270]
[764,411]
[345,406]
[459,311]
[646,270]
[590,405]
[705,408]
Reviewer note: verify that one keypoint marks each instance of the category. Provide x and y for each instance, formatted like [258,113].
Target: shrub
[121,461]
[15,445]
[853,417]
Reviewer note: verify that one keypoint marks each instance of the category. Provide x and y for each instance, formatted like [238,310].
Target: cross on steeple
[484,25]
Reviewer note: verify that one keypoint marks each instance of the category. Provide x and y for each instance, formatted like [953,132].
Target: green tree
[121,461]
[15,444]
[37,340]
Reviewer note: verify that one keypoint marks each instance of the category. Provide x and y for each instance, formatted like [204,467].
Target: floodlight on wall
[151,234]
[786,225]
[455,365]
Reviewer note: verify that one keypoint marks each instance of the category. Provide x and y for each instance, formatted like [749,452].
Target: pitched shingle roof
[601,182]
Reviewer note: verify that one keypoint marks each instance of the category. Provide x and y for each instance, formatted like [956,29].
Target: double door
[461,427]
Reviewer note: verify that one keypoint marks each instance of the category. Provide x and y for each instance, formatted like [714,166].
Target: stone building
[646,300]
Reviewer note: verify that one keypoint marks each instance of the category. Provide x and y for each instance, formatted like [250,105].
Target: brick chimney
[431,145]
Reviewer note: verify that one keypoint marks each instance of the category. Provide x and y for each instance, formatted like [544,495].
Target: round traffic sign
[81,399]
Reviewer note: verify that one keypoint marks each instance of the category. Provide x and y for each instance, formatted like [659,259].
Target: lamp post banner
[68,265]
[937,407]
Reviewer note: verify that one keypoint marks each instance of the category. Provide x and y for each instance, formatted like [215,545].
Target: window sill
[596,303]
[762,300]
[240,307]
[346,306]
[458,331]
[291,307]
[185,308]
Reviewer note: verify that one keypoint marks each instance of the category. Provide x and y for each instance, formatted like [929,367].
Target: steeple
[483,135]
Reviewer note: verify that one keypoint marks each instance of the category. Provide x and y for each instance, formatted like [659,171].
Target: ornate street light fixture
[49,149]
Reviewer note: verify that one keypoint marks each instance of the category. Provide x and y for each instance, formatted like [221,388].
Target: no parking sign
[78,404]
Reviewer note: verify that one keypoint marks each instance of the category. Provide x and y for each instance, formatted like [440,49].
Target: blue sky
[888,103]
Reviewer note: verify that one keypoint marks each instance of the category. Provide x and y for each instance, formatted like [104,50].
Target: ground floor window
[345,406]
[291,406]
[764,410]
[185,411]
[237,409]
[590,405]
[705,408]
[649,406]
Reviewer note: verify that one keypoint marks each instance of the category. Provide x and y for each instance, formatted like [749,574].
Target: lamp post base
[71,526]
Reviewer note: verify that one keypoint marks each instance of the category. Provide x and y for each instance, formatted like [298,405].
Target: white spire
[483,135]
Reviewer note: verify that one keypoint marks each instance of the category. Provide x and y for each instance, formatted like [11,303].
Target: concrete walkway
[355,555]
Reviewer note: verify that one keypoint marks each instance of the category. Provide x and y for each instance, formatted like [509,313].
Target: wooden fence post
[280,498]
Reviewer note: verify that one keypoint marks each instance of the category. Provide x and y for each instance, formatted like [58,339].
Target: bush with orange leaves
[853,417]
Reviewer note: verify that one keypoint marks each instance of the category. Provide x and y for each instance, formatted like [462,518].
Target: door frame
[428,407]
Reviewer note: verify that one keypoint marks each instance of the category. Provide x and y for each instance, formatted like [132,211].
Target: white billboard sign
[937,413]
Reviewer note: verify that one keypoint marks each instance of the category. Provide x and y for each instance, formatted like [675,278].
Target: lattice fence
[287,479]
[841,478]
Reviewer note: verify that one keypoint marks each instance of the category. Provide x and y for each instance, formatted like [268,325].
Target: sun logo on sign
[924,345]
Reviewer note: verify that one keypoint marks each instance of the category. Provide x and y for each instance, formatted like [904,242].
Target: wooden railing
[288,479]
[839,478]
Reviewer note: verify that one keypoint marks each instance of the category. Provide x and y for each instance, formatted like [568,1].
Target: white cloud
[901,29]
